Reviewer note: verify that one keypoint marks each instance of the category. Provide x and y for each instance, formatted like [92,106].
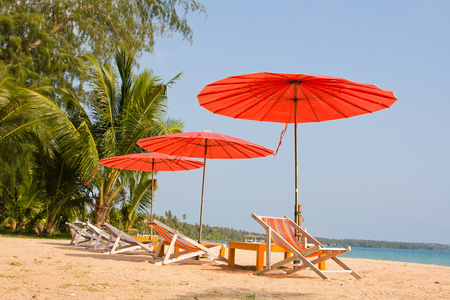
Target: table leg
[231,256]
[161,251]
[259,259]
[321,265]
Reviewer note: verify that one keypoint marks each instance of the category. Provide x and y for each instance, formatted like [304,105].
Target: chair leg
[108,243]
[276,265]
[73,239]
[99,238]
[170,250]
[311,266]
[77,239]
[116,244]
[344,266]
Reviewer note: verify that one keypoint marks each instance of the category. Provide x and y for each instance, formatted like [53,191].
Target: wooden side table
[258,247]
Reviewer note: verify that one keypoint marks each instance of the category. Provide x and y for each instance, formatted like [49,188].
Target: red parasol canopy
[204,145]
[196,144]
[292,98]
[151,162]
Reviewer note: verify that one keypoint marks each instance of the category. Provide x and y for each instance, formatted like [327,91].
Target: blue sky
[381,176]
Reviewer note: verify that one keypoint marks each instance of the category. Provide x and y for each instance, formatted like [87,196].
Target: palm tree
[61,189]
[123,108]
[49,185]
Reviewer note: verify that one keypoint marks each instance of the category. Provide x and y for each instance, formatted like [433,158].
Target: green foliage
[125,108]
[140,188]
[47,139]
[209,233]
[43,40]
[60,186]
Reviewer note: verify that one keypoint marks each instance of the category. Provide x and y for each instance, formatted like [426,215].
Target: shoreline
[49,269]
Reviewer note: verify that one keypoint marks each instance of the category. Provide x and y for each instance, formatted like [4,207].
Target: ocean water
[431,257]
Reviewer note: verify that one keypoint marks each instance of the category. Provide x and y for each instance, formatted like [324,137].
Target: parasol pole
[151,208]
[297,216]
[203,193]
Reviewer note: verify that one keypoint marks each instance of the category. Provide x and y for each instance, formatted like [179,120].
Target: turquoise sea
[431,257]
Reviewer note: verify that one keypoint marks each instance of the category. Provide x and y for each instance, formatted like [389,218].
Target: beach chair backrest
[75,228]
[97,231]
[168,236]
[79,231]
[94,229]
[115,233]
[283,228]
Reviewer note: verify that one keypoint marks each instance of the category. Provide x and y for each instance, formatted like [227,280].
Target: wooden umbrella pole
[297,216]
[203,193]
[151,207]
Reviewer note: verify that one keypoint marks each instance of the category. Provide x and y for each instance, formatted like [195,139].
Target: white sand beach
[51,269]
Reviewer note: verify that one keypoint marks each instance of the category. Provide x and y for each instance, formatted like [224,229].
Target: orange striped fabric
[182,244]
[283,228]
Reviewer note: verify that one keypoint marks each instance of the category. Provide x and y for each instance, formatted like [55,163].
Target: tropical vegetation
[43,40]
[70,95]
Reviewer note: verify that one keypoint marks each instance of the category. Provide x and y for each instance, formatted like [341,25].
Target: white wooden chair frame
[100,237]
[120,242]
[296,255]
[79,233]
[171,257]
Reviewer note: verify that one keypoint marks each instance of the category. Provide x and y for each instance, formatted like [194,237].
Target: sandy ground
[51,269]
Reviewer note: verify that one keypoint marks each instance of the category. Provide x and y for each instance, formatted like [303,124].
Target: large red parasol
[204,145]
[292,98]
[153,162]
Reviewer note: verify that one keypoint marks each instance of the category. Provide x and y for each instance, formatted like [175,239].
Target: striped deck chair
[281,232]
[191,248]
[122,242]
[79,233]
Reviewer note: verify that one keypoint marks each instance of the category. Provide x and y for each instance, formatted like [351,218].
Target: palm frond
[173,80]
[104,91]
[140,200]
[73,104]
[6,86]
[173,125]
[125,63]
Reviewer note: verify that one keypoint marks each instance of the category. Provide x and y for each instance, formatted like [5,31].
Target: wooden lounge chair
[191,248]
[79,233]
[122,242]
[281,231]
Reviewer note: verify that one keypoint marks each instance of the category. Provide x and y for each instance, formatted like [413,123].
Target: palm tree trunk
[100,214]
[48,229]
